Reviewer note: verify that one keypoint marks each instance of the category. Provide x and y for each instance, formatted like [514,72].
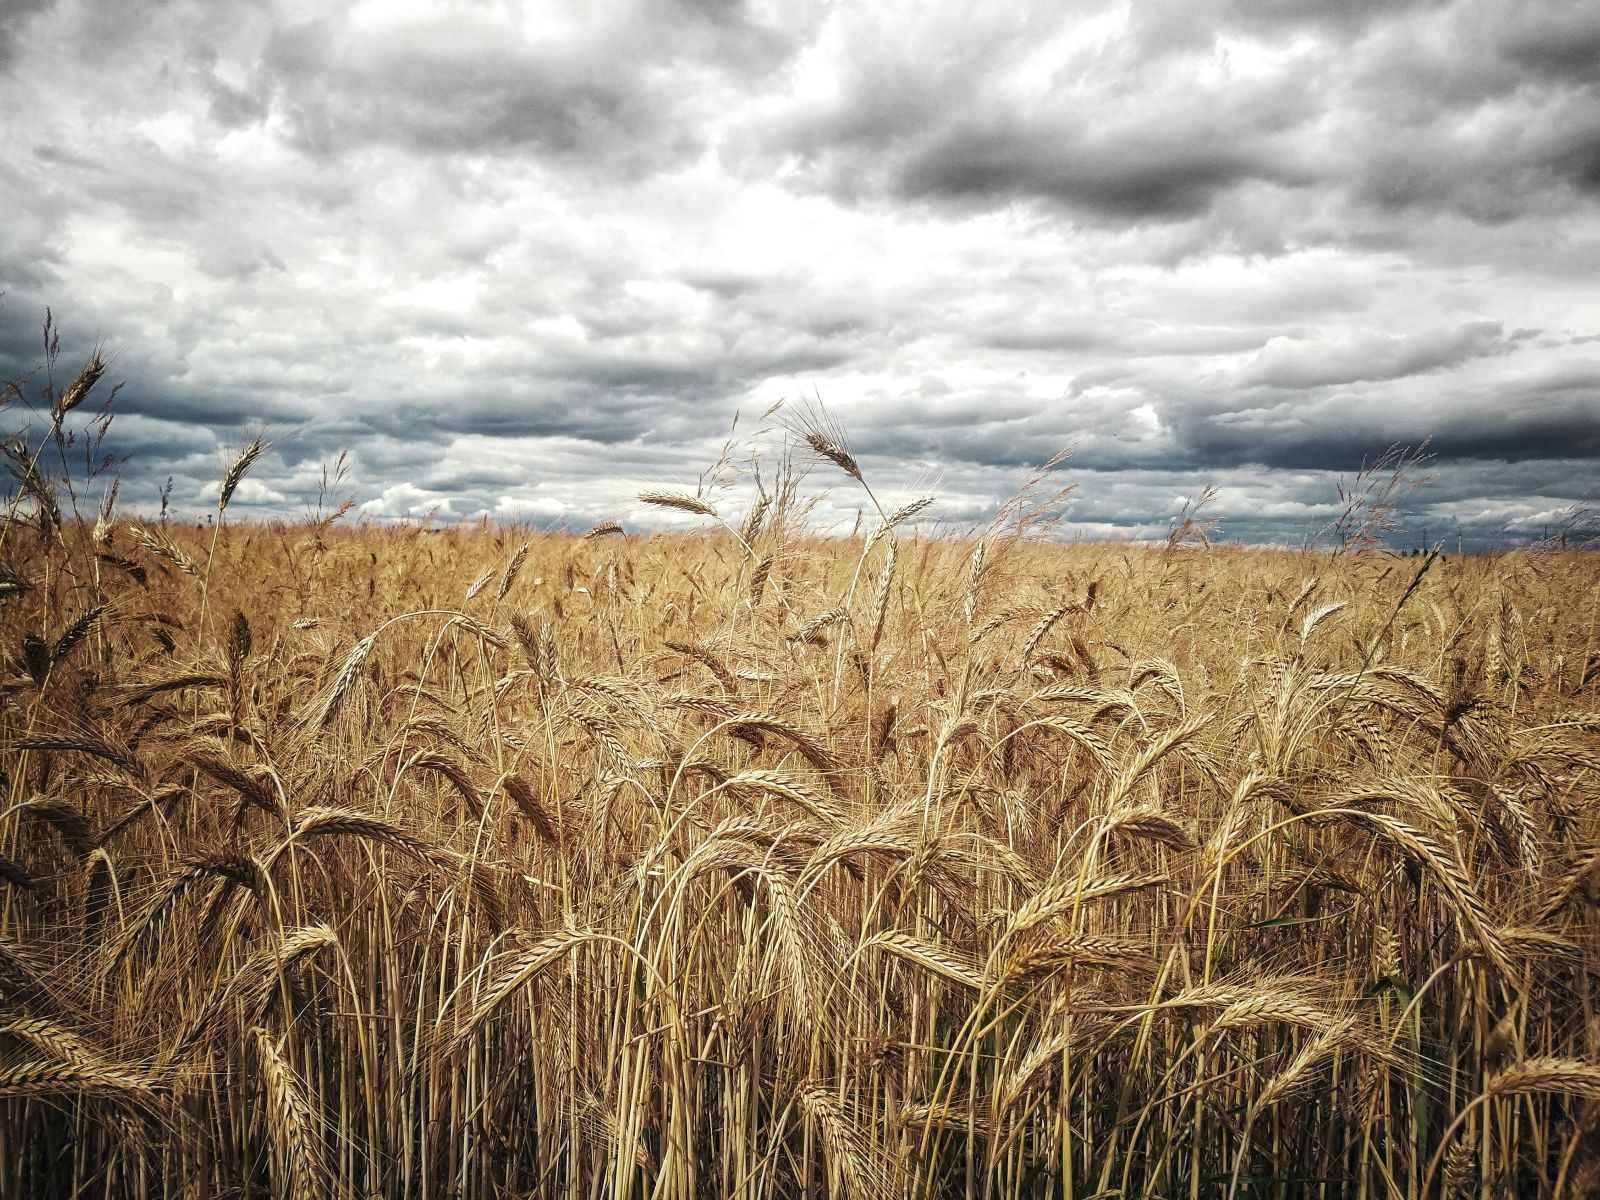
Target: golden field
[357,862]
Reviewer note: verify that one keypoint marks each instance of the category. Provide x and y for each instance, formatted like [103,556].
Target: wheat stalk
[291,1125]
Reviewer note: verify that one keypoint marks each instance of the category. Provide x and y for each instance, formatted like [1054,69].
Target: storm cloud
[523,260]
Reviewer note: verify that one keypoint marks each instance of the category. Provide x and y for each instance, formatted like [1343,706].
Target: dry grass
[1018,870]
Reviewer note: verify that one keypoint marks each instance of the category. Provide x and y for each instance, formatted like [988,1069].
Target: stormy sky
[526,259]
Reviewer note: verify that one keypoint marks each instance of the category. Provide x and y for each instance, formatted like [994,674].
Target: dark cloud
[451,90]
[1322,440]
[15,19]
[1162,172]
[1346,17]
[1379,109]
[1101,134]
[1549,414]
[466,83]
[1560,40]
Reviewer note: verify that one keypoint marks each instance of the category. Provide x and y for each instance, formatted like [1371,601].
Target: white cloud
[535,508]
[406,500]
[249,492]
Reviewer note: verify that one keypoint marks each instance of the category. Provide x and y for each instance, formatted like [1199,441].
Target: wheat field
[739,862]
